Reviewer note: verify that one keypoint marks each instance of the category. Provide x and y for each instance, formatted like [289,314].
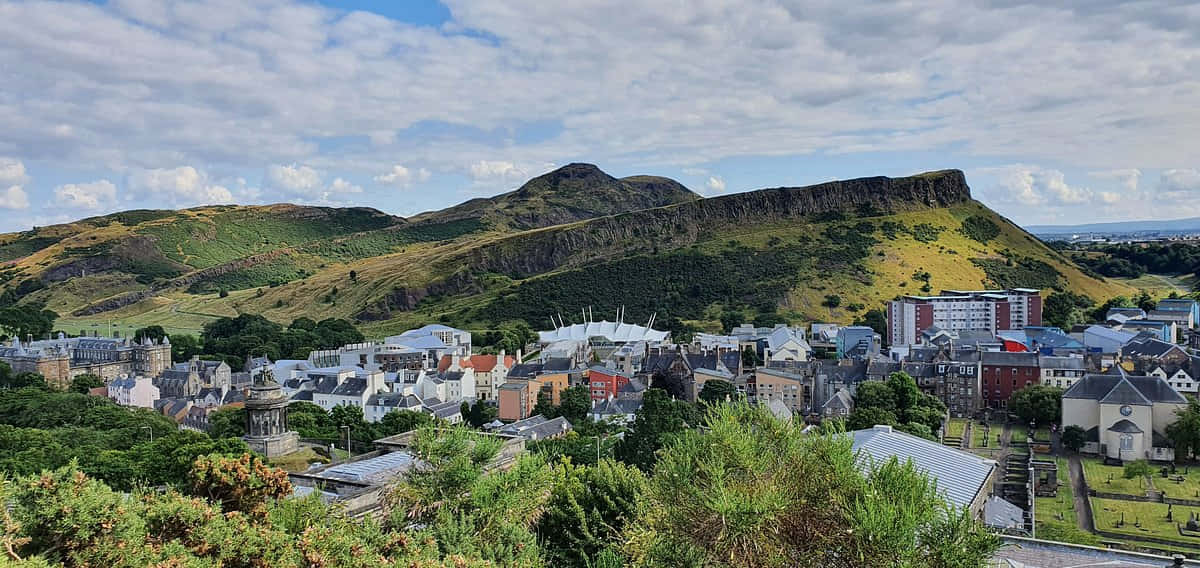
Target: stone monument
[266,419]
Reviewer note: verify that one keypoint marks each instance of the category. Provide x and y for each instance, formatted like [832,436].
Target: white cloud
[401,176]
[487,170]
[301,180]
[1179,185]
[12,172]
[181,186]
[1127,178]
[93,196]
[14,198]
[1033,185]
[715,185]
[341,186]
[694,171]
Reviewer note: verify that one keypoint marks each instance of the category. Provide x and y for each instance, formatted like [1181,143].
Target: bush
[979,228]
[832,301]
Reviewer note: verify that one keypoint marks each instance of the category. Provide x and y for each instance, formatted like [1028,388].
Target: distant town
[1030,427]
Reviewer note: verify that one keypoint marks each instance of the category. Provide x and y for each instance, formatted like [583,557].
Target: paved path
[1083,505]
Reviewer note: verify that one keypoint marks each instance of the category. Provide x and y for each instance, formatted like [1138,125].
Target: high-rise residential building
[955,310]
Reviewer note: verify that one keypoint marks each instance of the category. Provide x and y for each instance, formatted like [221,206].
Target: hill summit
[571,193]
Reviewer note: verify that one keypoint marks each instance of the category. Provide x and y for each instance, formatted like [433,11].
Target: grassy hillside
[828,252]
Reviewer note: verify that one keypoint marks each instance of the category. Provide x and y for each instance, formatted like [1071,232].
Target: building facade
[990,310]
[61,360]
[1004,373]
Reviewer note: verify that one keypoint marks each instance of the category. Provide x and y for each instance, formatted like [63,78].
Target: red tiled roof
[482,363]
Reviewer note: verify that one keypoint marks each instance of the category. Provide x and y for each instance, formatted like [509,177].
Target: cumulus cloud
[93,196]
[487,170]
[401,176]
[1179,184]
[14,197]
[295,178]
[184,185]
[1033,185]
[12,180]
[1127,178]
[715,185]
[341,186]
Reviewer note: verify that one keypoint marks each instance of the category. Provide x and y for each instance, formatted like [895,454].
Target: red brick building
[956,310]
[606,382]
[1005,373]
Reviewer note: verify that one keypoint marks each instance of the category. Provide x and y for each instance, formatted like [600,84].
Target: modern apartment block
[990,310]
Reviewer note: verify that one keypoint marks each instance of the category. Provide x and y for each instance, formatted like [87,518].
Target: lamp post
[151,430]
[349,452]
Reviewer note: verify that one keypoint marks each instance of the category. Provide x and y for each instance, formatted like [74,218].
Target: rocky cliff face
[666,228]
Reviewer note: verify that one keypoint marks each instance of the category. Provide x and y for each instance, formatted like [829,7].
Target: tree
[1145,301]
[752,491]
[874,394]
[904,389]
[545,406]
[1039,404]
[575,404]
[353,276]
[184,347]
[21,380]
[1064,309]
[1101,312]
[1073,438]
[875,319]
[480,413]
[750,357]
[716,391]
[155,332]
[1137,468]
[85,383]
[244,484]
[1184,433]
[864,418]
[401,421]
[227,423]
[588,510]
[659,418]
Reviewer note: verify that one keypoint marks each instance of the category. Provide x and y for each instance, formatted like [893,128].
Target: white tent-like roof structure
[617,332]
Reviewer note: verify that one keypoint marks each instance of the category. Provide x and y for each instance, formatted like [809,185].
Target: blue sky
[1058,112]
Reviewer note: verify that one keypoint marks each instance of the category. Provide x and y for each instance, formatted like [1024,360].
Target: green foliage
[874,394]
[84,383]
[588,510]
[925,233]
[227,422]
[1184,433]
[897,402]
[274,272]
[875,319]
[389,240]
[659,419]
[716,391]
[42,430]
[1073,438]
[831,301]
[1137,468]
[25,320]
[1038,403]
[511,336]
[247,334]
[24,245]
[154,332]
[1131,260]
[1064,309]
[752,491]
[480,413]
[979,228]
[750,358]
[184,347]
[1022,272]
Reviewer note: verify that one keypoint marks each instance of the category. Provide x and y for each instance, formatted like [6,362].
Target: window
[1126,442]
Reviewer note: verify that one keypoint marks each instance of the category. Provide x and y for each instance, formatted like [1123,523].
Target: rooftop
[958,474]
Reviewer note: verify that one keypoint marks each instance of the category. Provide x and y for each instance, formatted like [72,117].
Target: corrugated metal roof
[960,476]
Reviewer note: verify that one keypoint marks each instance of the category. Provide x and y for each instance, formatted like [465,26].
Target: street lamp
[349,452]
[151,430]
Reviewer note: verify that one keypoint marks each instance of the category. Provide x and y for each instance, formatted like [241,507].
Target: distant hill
[573,238]
[1191,224]
[571,193]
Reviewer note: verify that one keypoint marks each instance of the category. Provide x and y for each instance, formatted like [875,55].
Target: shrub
[979,228]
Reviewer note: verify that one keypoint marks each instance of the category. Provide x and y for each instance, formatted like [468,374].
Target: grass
[956,428]
[1161,284]
[298,461]
[1047,511]
[1018,434]
[1097,476]
[1151,516]
[1188,489]
[978,435]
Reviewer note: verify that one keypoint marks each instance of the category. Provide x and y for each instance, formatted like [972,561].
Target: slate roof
[1062,363]
[537,427]
[656,362]
[1099,386]
[1009,359]
[853,373]
[557,364]
[524,370]
[617,406]
[840,400]
[960,475]
[608,372]
[1001,514]
[1127,312]
[1109,333]
[1147,348]
[351,387]
[1125,393]
[304,395]
[394,400]
[1125,427]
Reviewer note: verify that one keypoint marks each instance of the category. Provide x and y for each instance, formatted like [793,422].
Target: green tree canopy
[716,391]
[1038,403]
[656,422]
[1073,438]
[753,491]
[86,382]
[1184,433]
